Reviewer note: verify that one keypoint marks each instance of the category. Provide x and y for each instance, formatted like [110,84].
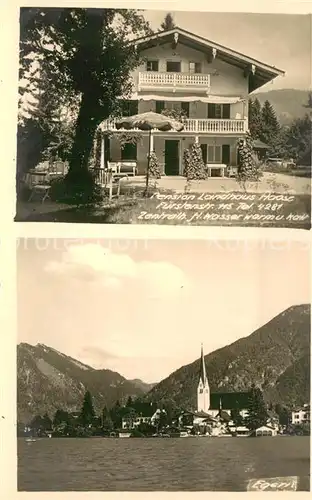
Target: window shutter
[134,107]
[185,106]
[226,154]
[226,111]
[160,105]
[211,110]
[107,154]
[204,152]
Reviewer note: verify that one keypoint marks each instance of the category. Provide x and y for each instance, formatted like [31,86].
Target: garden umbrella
[149,121]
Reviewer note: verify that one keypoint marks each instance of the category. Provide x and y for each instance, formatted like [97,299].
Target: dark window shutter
[226,154]
[211,110]
[160,105]
[107,154]
[185,106]
[134,107]
[226,111]
[204,152]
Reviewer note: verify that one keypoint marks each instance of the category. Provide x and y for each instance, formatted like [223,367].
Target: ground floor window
[129,152]
[216,153]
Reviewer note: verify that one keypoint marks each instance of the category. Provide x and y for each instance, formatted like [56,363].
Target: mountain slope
[48,379]
[144,386]
[269,357]
[288,103]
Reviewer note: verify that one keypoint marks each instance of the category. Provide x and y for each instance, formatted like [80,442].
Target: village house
[266,430]
[148,415]
[206,83]
[301,415]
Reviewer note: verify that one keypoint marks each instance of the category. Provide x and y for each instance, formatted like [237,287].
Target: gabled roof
[263,73]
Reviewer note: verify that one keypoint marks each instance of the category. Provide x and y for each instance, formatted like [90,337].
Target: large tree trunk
[84,135]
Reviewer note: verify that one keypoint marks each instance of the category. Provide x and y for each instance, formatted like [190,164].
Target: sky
[142,308]
[281,40]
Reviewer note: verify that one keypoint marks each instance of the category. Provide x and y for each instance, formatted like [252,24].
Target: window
[214,154]
[219,111]
[129,152]
[152,66]
[195,67]
[185,107]
[174,66]
[170,105]
[129,108]
[160,105]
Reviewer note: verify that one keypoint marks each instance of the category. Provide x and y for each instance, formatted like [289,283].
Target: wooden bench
[220,167]
[123,168]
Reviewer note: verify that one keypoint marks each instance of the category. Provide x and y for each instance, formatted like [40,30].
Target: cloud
[108,269]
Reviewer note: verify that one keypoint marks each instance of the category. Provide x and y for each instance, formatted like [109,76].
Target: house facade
[301,415]
[148,416]
[204,83]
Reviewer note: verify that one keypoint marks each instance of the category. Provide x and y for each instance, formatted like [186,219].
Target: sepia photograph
[154,117]
[127,346]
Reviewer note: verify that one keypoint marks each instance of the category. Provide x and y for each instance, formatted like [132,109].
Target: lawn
[277,200]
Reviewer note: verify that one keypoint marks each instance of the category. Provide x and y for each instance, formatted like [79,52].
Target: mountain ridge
[48,380]
[289,104]
[262,358]
[276,356]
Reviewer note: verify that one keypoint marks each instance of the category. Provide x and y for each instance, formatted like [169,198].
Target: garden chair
[39,184]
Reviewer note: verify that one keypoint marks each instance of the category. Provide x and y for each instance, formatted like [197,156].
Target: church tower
[203,390]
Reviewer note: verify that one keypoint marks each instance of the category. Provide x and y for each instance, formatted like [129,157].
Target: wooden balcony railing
[156,79]
[196,125]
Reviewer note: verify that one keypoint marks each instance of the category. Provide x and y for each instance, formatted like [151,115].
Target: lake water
[155,464]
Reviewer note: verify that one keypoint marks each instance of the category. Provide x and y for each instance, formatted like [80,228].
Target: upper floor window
[152,66]
[174,66]
[129,108]
[219,111]
[160,105]
[173,106]
[185,107]
[195,67]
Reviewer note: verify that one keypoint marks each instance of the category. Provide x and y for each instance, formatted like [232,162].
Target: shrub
[249,166]
[194,167]
[154,168]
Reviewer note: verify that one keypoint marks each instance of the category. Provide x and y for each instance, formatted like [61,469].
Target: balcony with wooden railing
[149,80]
[193,126]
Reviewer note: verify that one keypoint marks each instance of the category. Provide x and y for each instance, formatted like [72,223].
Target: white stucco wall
[225,78]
